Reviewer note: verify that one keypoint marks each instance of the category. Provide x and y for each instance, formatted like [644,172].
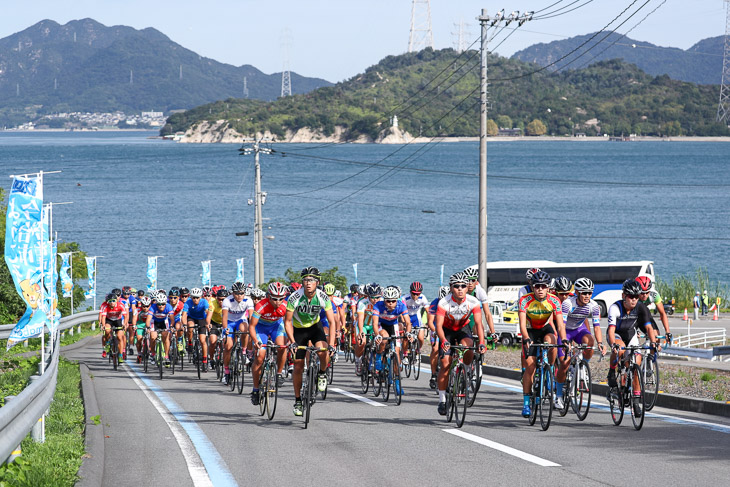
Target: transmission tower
[285,73]
[460,36]
[421,33]
[245,87]
[723,108]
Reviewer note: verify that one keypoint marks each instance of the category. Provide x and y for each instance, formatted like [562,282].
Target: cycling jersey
[539,312]
[215,308]
[654,297]
[415,305]
[161,315]
[433,306]
[574,316]
[177,311]
[115,313]
[323,315]
[268,314]
[387,317]
[366,307]
[456,315]
[638,318]
[196,312]
[480,293]
[237,311]
[527,289]
[306,311]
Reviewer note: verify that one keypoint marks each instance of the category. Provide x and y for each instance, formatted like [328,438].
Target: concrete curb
[682,403]
[91,472]
[64,348]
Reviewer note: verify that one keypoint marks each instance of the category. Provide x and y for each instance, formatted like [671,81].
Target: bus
[504,279]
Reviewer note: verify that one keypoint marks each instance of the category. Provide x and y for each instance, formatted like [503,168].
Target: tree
[536,127]
[332,275]
[492,128]
[503,121]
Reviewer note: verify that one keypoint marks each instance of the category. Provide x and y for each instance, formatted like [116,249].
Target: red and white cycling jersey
[456,315]
[115,313]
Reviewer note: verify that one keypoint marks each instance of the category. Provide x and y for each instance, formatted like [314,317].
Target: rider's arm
[489,317]
[523,324]
[407,320]
[224,317]
[360,322]
[440,328]
[376,325]
[663,316]
[288,325]
[480,329]
[331,319]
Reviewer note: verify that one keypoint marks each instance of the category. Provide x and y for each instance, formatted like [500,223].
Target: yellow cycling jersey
[215,306]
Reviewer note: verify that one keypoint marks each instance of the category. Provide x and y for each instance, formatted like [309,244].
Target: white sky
[336,39]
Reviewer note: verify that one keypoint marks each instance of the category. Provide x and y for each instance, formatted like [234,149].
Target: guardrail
[704,338]
[18,416]
[704,353]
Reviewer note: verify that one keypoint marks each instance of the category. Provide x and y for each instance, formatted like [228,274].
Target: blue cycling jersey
[198,312]
[387,317]
[160,315]
[433,306]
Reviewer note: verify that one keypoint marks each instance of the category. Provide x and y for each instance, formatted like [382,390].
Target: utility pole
[485,22]
[723,108]
[256,149]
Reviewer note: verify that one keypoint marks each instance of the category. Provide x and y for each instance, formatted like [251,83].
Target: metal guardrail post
[38,432]
[15,453]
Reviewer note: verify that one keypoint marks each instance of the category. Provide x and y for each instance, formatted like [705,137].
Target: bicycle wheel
[450,397]
[272,391]
[408,367]
[397,387]
[145,354]
[364,374]
[387,378]
[181,357]
[478,360]
[114,351]
[377,378]
[234,372]
[310,394]
[218,359]
[263,387]
[637,419]
[616,403]
[581,394]
[461,396]
[416,361]
[546,398]
[159,355]
[173,356]
[330,371]
[240,380]
[197,358]
[650,374]
[567,392]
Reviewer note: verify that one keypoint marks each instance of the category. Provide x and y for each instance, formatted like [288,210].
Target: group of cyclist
[553,311]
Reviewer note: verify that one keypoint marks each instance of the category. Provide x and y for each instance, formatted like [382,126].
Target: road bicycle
[577,385]
[475,372]
[309,380]
[366,365]
[389,375]
[197,355]
[146,349]
[541,395]
[268,386]
[650,374]
[457,390]
[414,354]
[625,393]
[114,346]
[160,352]
[238,363]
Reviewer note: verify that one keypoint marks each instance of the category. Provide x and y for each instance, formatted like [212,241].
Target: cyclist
[303,325]
[577,311]
[160,318]
[535,310]
[194,314]
[144,307]
[452,327]
[113,315]
[415,302]
[130,300]
[386,315]
[213,319]
[650,295]
[173,298]
[563,288]
[234,316]
[625,317]
[430,316]
[365,320]
[329,290]
[527,289]
[475,289]
[267,323]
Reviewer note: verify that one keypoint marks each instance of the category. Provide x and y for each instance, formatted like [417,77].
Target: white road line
[359,398]
[503,448]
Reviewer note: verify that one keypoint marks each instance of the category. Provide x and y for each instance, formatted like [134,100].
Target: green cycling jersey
[306,311]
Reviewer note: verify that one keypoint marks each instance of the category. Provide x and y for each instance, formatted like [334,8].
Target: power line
[555,13]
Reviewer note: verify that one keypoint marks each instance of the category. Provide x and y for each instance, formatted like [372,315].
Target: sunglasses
[238,294]
[196,297]
[459,286]
[309,279]
[390,301]
[415,293]
[540,286]
[586,294]
[632,296]
[276,299]
[112,302]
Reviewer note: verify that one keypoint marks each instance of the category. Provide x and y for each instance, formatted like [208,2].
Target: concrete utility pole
[256,149]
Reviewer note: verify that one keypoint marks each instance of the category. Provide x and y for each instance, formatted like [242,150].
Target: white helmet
[196,292]
[391,292]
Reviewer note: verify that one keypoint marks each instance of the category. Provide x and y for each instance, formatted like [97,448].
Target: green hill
[86,66]
[610,97]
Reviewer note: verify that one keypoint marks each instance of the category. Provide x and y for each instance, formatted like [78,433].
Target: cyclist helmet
[140,293]
[238,287]
[471,273]
[644,283]
[329,289]
[160,299]
[296,285]
[221,293]
[310,272]
[184,291]
[196,292]
[258,293]
[541,277]
[338,294]
[162,291]
[531,272]
[563,284]
[117,292]
[126,290]
[373,290]
[175,291]
[458,278]
[361,289]
[277,289]
[320,287]
[291,289]
[416,287]
[354,288]
[145,301]
[111,297]
[207,291]
[443,291]
[583,285]
[630,286]
[391,292]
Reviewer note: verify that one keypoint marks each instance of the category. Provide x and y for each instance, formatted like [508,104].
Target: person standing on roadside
[705,303]
[696,303]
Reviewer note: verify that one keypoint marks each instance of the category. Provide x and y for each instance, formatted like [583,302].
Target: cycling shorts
[114,324]
[302,337]
[537,335]
[454,337]
[199,322]
[159,325]
[141,326]
[270,331]
[234,326]
[216,328]
[391,330]
[629,337]
[415,321]
[574,335]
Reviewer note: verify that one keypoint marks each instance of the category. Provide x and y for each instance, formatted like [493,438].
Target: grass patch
[682,374]
[708,377]
[14,375]
[55,462]
[719,396]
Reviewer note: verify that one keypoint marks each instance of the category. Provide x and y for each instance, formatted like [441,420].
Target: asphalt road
[184,431]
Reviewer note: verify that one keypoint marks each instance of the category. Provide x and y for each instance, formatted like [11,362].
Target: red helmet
[416,287]
[644,283]
[277,290]
[296,285]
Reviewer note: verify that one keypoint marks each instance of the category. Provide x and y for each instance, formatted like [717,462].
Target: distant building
[504,132]
[152,114]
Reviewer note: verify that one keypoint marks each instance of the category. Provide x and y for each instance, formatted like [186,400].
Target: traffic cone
[684,316]
[716,316]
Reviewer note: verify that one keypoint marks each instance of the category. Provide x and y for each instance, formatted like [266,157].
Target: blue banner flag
[239,273]
[442,275]
[91,272]
[23,233]
[67,284]
[354,266]
[152,274]
[206,272]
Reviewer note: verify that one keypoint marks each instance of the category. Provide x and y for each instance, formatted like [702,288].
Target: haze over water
[133,197]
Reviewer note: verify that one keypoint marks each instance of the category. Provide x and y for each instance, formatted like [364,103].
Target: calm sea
[564,201]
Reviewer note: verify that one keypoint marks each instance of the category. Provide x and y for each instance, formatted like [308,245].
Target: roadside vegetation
[683,288]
